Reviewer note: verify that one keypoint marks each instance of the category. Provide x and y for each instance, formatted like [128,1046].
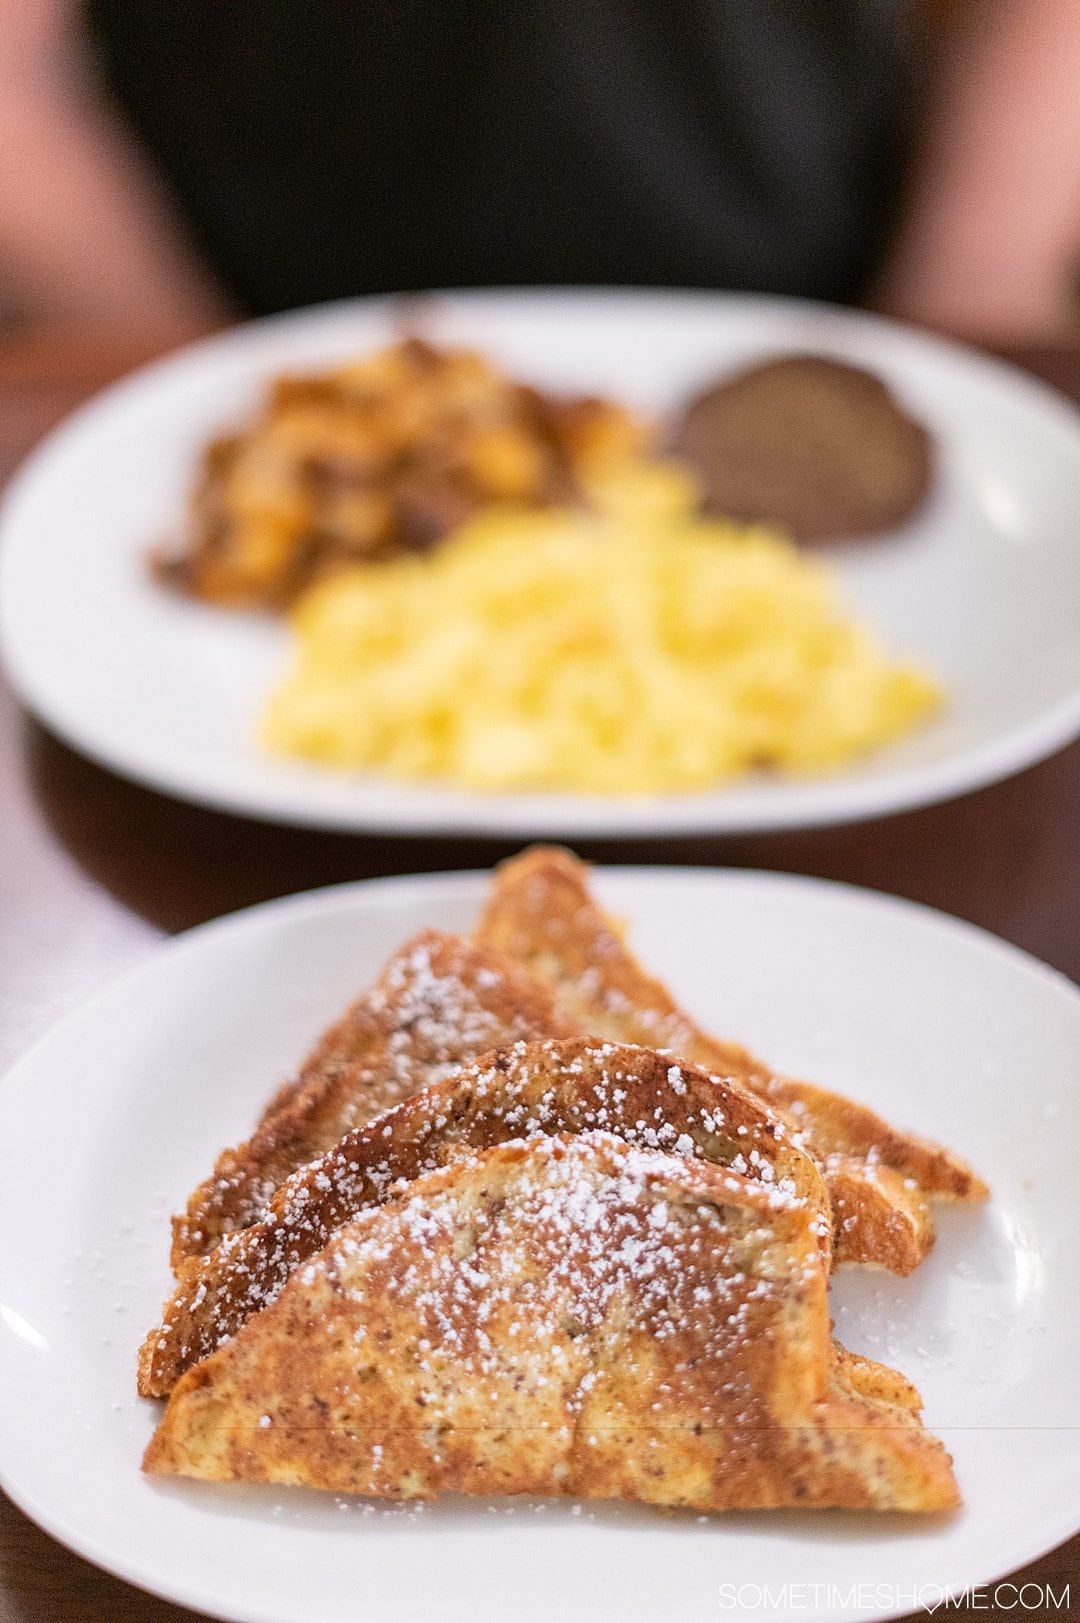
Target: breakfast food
[810,443]
[381,456]
[439,1002]
[681,1310]
[506,590]
[626,653]
[541,915]
[546,964]
[519,1225]
[530,1089]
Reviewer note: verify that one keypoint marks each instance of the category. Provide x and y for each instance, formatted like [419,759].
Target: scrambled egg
[638,651]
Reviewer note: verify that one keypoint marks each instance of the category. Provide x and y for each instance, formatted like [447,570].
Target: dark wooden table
[93,870]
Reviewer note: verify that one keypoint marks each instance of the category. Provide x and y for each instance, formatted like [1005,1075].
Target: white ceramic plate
[985,586]
[113,1117]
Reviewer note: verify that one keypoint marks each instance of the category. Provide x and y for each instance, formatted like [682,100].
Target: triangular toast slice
[440,1001]
[542,915]
[560,1316]
[548,1087]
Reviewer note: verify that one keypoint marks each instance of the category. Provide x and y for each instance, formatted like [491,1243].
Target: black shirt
[321,148]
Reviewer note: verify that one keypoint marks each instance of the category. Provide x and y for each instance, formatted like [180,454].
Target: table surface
[94,870]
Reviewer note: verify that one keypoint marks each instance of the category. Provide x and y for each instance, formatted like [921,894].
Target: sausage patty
[809,443]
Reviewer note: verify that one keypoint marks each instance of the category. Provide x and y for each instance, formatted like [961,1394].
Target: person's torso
[337,148]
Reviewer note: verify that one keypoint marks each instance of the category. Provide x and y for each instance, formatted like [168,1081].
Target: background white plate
[113,1117]
[985,586]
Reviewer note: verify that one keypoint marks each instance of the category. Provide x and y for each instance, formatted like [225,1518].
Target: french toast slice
[571,1316]
[440,1001]
[549,1087]
[541,914]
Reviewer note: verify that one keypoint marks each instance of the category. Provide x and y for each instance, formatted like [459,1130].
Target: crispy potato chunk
[382,456]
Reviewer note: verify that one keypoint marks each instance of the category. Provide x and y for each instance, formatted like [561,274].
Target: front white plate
[984,586]
[112,1118]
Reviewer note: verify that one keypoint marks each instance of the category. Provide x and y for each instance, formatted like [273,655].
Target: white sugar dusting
[582,1234]
[532,1089]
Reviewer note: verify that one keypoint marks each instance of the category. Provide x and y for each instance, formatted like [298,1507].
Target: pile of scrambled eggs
[636,650]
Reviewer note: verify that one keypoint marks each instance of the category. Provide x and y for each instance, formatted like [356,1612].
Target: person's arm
[989,246]
[88,239]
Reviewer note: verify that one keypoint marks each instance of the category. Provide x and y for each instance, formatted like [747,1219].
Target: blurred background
[166,168]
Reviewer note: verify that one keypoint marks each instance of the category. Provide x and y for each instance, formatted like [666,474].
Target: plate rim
[830,801]
[161,956]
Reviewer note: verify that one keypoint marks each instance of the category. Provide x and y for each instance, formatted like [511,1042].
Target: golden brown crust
[563,1316]
[541,914]
[875,1382]
[839,1126]
[877,1216]
[441,1000]
[576,1085]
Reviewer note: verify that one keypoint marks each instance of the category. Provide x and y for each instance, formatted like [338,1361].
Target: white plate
[985,586]
[113,1117]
